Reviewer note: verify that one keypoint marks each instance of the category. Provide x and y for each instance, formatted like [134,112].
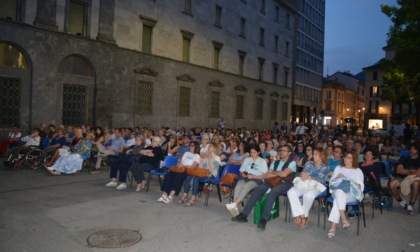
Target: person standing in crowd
[222,123]
[300,130]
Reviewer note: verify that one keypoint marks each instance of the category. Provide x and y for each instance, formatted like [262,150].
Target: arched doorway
[14,83]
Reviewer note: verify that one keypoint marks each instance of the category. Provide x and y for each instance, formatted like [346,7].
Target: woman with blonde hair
[211,162]
[78,138]
[310,183]
[72,161]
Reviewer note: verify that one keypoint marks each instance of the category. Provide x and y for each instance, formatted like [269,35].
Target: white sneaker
[50,168]
[111,184]
[409,209]
[122,187]
[403,204]
[233,209]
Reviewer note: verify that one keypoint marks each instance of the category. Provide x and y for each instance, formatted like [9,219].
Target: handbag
[306,185]
[177,169]
[273,181]
[197,172]
[228,179]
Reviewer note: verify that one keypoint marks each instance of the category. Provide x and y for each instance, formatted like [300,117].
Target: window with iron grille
[184,101]
[273,110]
[259,108]
[144,97]
[74,104]
[9,101]
[240,99]
[215,104]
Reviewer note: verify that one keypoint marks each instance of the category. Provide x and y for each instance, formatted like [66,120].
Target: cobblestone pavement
[42,212]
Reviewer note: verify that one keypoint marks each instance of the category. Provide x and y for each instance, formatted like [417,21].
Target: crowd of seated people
[323,157]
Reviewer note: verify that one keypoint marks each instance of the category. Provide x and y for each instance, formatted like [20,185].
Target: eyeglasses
[252,166]
[308,149]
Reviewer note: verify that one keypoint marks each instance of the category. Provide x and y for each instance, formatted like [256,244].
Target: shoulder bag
[228,179]
[197,172]
[177,169]
[275,180]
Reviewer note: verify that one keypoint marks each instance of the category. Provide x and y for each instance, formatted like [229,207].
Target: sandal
[190,203]
[140,187]
[304,222]
[182,201]
[331,233]
[167,200]
[345,224]
[298,220]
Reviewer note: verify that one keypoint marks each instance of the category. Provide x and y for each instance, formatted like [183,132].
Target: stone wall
[112,91]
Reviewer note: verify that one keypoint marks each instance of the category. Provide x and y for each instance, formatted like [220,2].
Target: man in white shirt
[12,140]
[300,130]
[30,142]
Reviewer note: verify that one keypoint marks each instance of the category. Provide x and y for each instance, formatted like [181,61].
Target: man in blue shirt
[336,159]
[117,146]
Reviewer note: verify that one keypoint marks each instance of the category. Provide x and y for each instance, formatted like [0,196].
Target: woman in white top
[173,181]
[211,162]
[252,172]
[348,169]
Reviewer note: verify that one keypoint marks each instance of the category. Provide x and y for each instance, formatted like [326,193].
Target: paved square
[41,212]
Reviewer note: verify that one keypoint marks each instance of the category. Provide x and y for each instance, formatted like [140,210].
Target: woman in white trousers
[348,169]
[314,173]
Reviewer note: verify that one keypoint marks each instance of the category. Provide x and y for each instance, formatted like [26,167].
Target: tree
[402,74]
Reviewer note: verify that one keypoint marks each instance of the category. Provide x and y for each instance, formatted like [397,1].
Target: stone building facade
[147,63]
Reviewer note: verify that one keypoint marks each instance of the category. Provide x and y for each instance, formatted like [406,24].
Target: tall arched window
[11,87]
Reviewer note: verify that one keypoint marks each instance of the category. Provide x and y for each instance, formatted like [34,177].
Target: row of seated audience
[349,163]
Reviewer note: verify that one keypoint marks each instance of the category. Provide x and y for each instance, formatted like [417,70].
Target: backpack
[384,200]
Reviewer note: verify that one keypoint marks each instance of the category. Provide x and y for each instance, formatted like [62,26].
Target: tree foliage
[405,34]
[402,74]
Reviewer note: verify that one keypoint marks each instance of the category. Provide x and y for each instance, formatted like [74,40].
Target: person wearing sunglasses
[284,167]
[252,173]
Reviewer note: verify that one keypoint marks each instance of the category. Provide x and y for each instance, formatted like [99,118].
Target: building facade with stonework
[146,63]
